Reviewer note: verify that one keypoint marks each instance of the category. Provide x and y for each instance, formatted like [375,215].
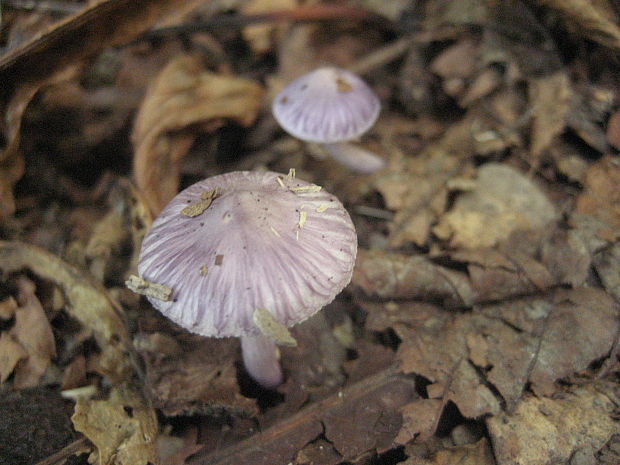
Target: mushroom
[248,254]
[331,106]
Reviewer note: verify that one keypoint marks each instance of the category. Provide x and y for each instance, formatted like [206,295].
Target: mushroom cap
[267,240]
[327,105]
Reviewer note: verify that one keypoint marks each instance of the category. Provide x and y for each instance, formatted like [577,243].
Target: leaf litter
[482,322]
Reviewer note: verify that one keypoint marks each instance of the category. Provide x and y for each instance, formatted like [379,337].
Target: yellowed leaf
[122,427]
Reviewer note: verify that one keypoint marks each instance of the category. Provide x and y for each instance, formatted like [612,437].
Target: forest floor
[481,325]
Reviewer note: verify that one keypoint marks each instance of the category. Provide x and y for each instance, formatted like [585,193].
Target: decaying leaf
[550,102]
[501,202]
[261,36]
[11,162]
[544,431]
[122,427]
[182,96]
[536,340]
[187,373]
[420,419]
[33,332]
[418,193]
[397,276]
[142,286]
[11,352]
[601,197]
[373,401]
[591,19]
[93,308]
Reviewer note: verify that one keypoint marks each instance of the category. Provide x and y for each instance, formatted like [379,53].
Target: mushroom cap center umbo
[265,240]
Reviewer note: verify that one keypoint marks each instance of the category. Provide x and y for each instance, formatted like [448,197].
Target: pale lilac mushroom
[248,254]
[331,106]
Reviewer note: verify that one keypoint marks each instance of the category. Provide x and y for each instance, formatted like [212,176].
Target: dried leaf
[470,454]
[550,102]
[184,95]
[8,307]
[397,276]
[122,427]
[92,307]
[590,19]
[601,197]
[33,332]
[261,36]
[544,430]
[376,399]
[190,374]
[536,340]
[501,202]
[420,419]
[11,352]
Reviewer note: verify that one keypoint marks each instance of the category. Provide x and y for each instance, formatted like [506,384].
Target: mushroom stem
[261,359]
[355,157]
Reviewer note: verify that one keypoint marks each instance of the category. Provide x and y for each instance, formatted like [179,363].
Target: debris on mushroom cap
[257,252]
[327,105]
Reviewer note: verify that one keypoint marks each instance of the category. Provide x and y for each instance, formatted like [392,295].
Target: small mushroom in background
[248,254]
[331,106]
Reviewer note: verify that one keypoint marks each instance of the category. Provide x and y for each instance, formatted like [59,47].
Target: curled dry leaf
[91,306]
[184,95]
[591,19]
[11,162]
[544,431]
[501,201]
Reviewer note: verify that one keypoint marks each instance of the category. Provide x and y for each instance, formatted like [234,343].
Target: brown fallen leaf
[500,202]
[8,307]
[261,36]
[92,307]
[376,397]
[417,192]
[398,276]
[11,162]
[549,98]
[184,95]
[33,332]
[187,374]
[601,197]
[11,352]
[420,419]
[591,19]
[544,431]
[122,427]
[533,339]
[607,265]
[479,453]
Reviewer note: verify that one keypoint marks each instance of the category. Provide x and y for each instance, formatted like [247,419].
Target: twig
[76,447]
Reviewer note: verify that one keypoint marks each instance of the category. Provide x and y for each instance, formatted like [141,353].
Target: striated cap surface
[265,240]
[327,105]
